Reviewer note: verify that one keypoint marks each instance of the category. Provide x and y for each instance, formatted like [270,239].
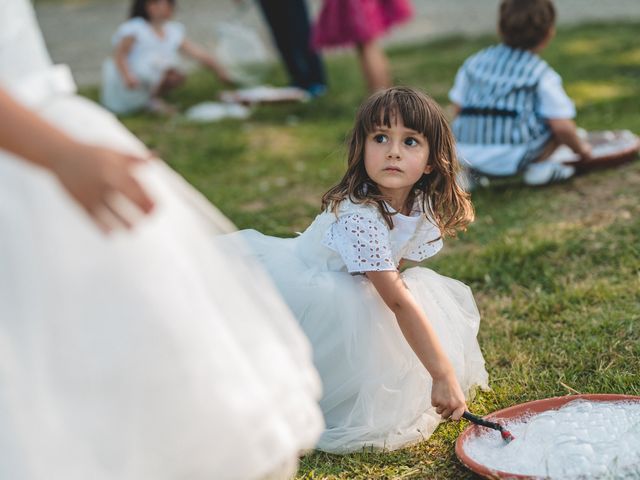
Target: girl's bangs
[385,110]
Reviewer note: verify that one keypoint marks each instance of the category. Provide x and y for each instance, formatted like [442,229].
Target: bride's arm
[446,394]
[90,174]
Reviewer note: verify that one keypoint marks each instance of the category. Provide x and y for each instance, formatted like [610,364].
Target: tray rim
[520,410]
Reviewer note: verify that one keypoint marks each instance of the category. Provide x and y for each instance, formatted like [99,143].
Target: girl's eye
[380,138]
[411,142]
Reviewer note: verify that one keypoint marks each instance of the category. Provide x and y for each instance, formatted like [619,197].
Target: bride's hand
[95,177]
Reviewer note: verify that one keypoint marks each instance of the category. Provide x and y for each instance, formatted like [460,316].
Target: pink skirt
[347,22]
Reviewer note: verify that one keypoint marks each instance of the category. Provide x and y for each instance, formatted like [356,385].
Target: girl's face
[159,10]
[395,158]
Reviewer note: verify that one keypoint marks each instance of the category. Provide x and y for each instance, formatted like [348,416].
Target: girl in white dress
[145,63]
[396,351]
[149,354]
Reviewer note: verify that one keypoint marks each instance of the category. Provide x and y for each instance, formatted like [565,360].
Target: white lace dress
[149,355]
[376,393]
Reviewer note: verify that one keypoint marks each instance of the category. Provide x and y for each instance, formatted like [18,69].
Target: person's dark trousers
[289,24]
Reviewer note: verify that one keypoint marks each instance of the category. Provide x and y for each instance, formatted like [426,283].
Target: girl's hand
[96,177]
[131,82]
[447,397]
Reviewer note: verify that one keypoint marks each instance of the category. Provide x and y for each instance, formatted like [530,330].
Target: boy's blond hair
[525,24]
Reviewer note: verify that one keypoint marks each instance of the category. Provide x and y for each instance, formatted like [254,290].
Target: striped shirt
[505,96]
[499,106]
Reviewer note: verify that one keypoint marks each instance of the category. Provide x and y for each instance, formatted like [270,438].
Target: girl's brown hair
[443,201]
[139,8]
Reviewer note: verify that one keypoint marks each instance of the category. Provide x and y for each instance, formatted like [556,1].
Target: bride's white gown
[144,355]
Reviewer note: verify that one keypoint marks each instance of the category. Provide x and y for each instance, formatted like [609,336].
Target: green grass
[555,271]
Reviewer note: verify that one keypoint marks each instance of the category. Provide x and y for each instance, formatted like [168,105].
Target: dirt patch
[253,207]
[276,141]
[603,196]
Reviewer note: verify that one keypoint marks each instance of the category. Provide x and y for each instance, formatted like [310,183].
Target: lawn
[555,271]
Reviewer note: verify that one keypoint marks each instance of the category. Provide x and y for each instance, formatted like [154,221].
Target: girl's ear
[428,169]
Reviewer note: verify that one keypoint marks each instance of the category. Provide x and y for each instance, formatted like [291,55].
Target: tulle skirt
[347,22]
[376,393]
[143,355]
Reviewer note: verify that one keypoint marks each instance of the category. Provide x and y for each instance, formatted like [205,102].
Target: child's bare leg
[549,148]
[375,66]
[172,79]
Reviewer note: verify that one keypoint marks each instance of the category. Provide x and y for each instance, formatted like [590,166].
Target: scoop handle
[481,421]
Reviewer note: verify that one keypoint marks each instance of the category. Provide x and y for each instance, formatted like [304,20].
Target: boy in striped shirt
[511,109]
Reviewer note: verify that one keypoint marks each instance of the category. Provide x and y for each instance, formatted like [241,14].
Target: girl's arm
[201,55]
[91,175]
[446,394]
[120,57]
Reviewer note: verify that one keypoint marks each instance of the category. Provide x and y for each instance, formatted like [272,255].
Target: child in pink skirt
[361,23]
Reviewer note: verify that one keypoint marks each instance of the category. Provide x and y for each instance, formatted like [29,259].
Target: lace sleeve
[362,241]
[426,242]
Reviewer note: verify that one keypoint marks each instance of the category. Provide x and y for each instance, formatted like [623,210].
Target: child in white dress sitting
[512,111]
[396,351]
[144,66]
